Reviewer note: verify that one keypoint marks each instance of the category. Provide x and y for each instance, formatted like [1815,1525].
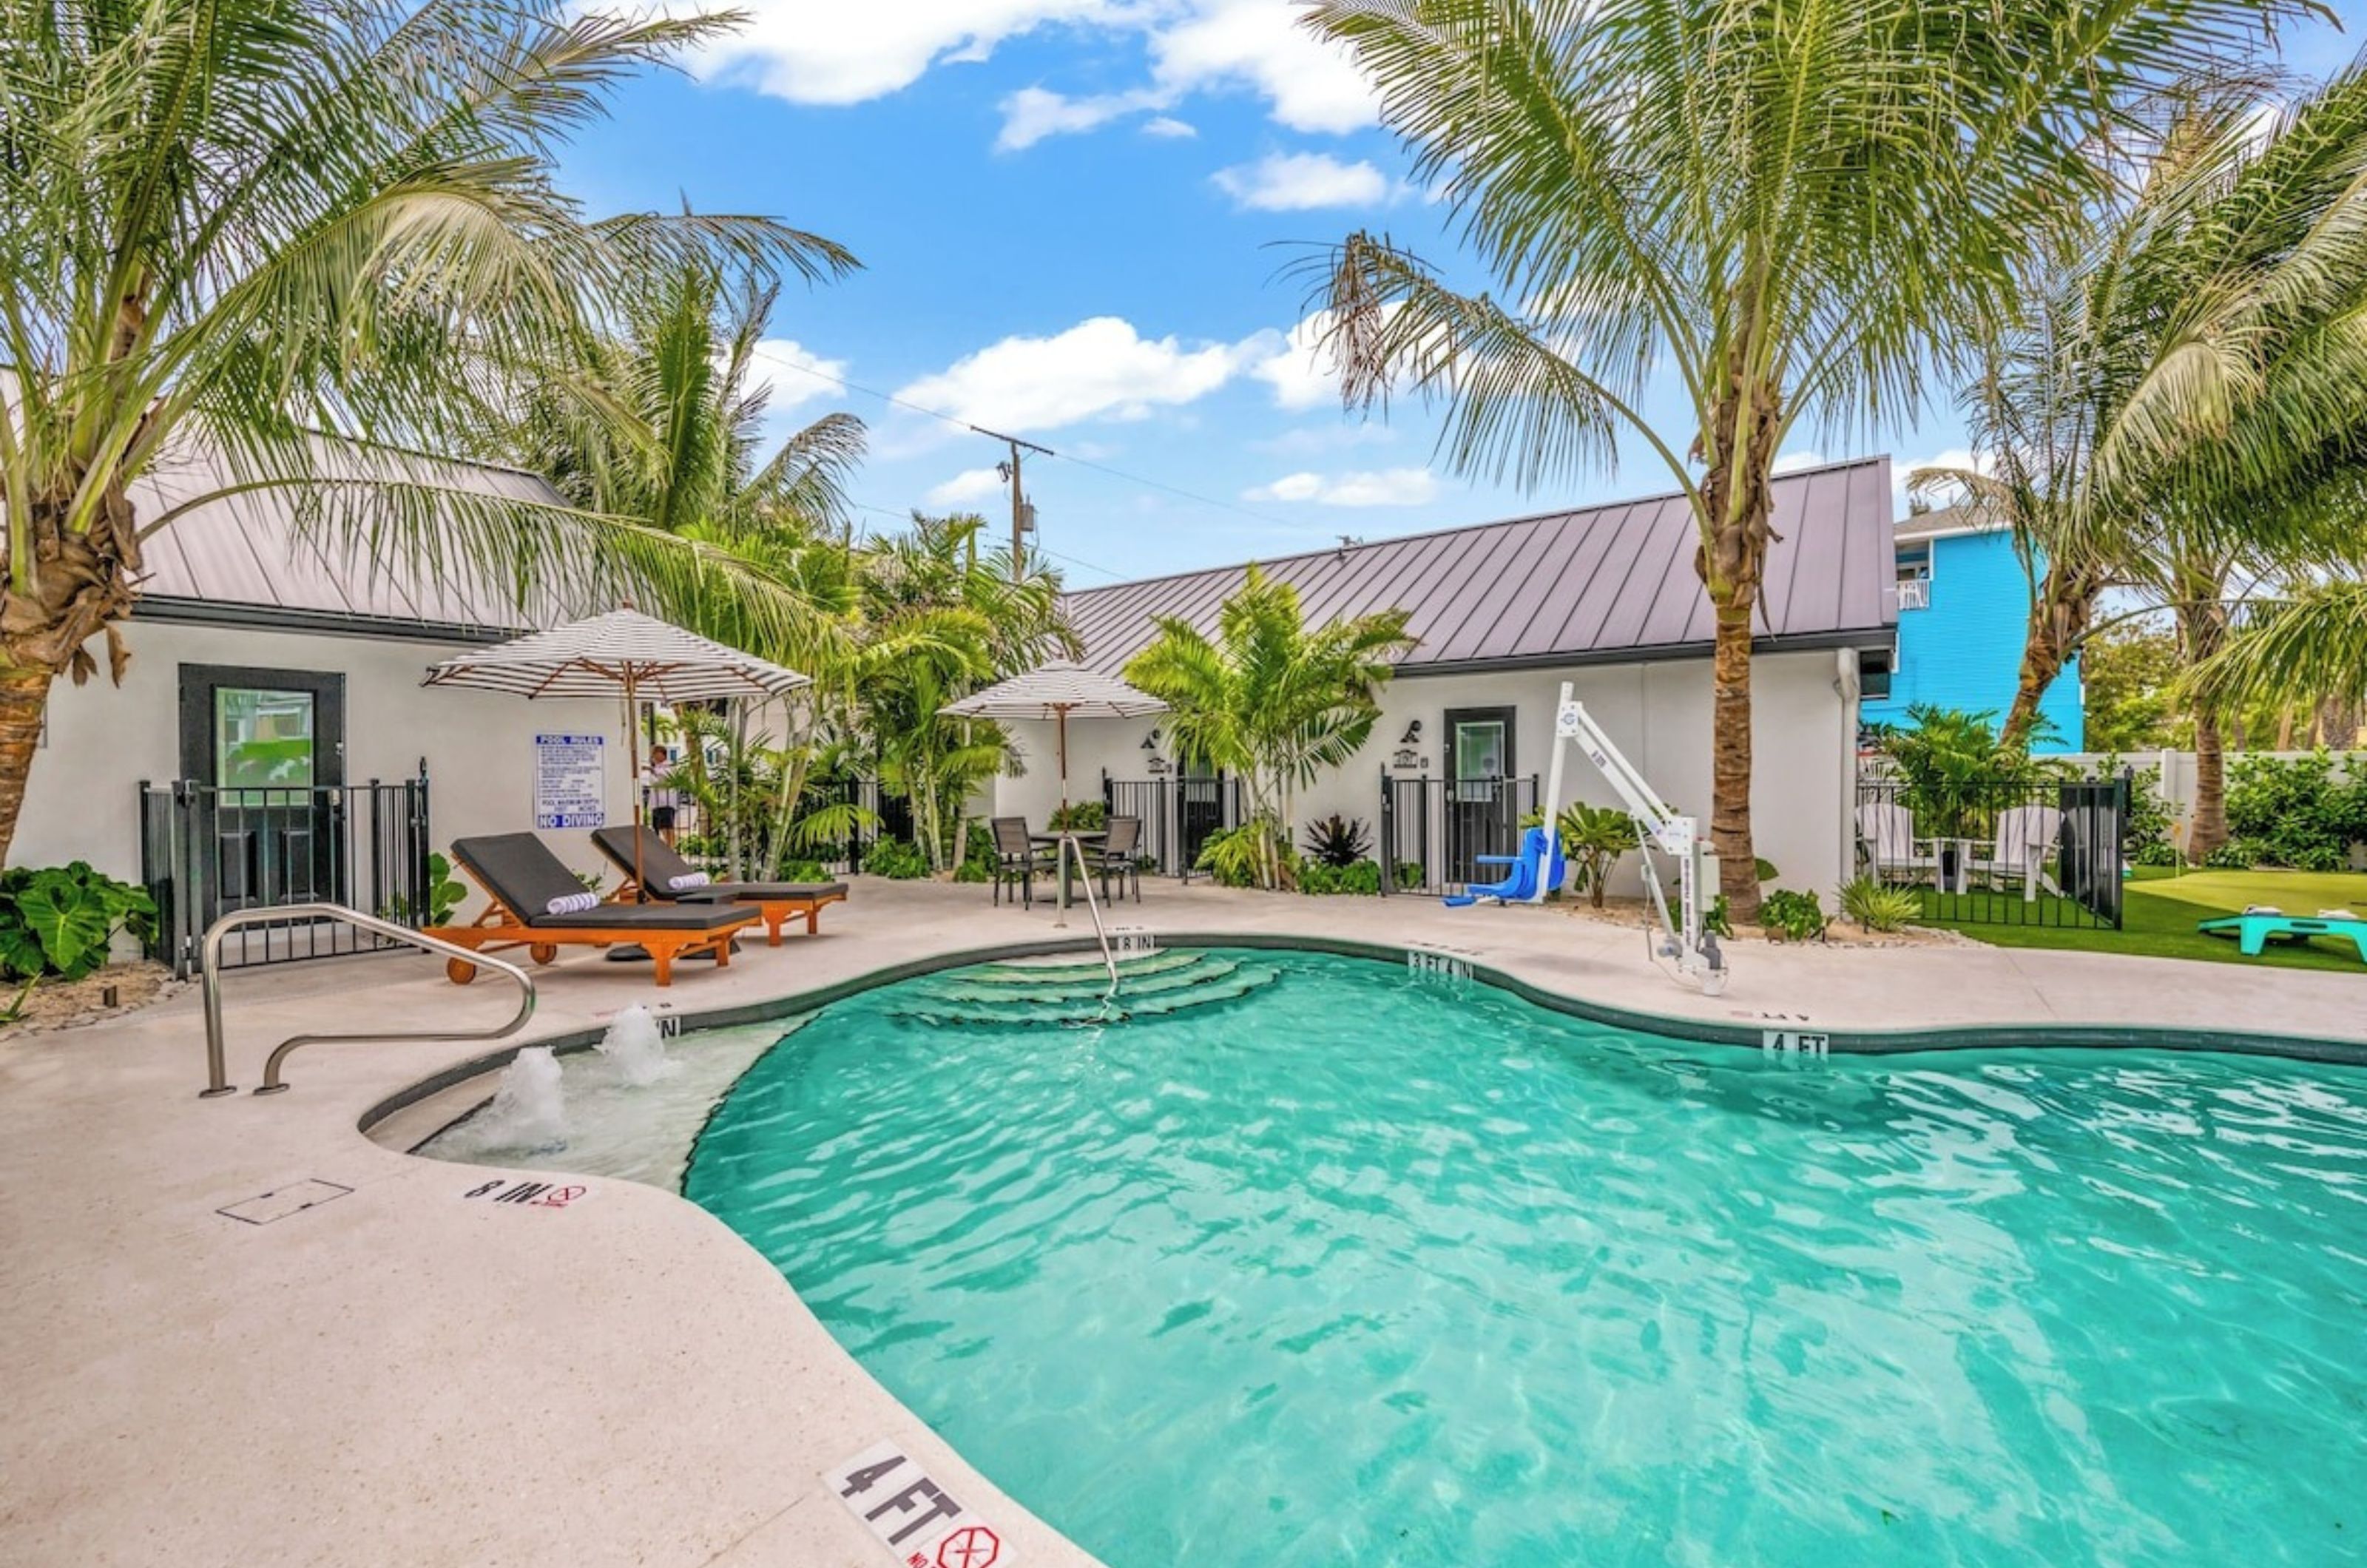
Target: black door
[1481,815]
[266,749]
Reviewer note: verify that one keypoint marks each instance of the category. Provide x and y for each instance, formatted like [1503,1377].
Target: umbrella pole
[633,748]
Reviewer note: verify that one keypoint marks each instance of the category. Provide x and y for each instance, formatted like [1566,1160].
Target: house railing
[207,851]
[1433,831]
[1915,594]
[1999,851]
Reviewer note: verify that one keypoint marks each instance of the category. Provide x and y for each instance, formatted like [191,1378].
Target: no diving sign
[912,1515]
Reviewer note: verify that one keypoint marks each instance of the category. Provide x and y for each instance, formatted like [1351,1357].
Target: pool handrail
[210,981]
[1066,847]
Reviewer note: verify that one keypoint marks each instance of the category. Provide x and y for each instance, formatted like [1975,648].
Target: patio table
[1052,841]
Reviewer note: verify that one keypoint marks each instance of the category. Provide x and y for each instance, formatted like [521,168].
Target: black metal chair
[1119,855]
[1014,859]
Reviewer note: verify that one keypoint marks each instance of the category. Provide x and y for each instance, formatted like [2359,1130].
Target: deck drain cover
[282,1201]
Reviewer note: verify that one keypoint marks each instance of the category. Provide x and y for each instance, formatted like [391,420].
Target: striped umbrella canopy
[1057,692]
[623,653]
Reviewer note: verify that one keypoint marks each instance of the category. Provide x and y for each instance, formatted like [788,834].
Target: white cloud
[1032,114]
[1310,85]
[1168,126]
[1297,182]
[970,485]
[795,373]
[1793,462]
[1100,368]
[822,51]
[1385,487]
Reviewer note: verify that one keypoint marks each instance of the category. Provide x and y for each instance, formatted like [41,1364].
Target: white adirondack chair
[1886,835]
[2025,837]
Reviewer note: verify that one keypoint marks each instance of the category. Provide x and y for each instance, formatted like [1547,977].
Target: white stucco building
[1606,598]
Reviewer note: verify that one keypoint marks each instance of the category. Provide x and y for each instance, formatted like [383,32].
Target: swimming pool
[1342,1265]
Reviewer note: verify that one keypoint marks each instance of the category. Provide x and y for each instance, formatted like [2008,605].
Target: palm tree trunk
[2060,616]
[23,702]
[1736,500]
[2202,625]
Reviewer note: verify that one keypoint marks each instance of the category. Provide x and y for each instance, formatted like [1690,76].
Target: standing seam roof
[1577,584]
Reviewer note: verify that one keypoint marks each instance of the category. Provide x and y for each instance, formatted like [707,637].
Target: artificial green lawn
[2159,911]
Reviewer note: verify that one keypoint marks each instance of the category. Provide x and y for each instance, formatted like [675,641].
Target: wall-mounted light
[1412,737]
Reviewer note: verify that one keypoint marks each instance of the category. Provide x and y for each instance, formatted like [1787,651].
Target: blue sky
[1075,217]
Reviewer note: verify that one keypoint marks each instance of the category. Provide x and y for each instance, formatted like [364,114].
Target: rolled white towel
[2336,915]
[2262,910]
[573,904]
[687,881]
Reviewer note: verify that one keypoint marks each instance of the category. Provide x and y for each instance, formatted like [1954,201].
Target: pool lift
[1681,938]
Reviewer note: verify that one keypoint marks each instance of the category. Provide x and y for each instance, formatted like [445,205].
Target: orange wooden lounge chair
[662,868]
[525,880]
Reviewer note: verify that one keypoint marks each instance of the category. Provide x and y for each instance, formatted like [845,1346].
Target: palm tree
[1789,211]
[1268,699]
[938,620]
[237,223]
[2188,398]
[2314,642]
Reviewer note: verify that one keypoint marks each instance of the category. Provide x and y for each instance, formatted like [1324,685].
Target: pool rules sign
[914,1517]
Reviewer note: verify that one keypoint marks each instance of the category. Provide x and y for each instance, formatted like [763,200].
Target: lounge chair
[2253,928]
[663,867]
[525,881]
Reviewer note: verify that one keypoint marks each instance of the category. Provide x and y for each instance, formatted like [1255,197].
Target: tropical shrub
[804,871]
[1792,914]
[898,860]
[1593,839]
[58,921]
[1336,840]
[1247,855]
[1363,876]
[2294,812]
[2235,855]
[1268,699]
[446,893]
[1410,874]
[1953,770]
[2149,820]
[1079,817]
[1717,919]
[2161,853]
[978,854]
[1876,907]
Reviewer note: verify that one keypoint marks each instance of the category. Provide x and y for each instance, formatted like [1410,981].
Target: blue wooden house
[1963,604]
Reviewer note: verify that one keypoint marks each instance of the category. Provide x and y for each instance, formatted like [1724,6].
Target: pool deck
[406,1374]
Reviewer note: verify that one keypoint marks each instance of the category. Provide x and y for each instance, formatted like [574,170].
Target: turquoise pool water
[1363,1268]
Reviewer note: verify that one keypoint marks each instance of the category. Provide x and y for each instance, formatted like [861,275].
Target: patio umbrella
[622,653]
[1056,692]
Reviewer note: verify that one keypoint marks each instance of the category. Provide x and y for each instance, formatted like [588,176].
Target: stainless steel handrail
[210,979]
[1069,846]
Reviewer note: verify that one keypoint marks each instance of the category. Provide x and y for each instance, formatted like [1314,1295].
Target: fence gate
[209,849]
[1179,813]
[1434,831]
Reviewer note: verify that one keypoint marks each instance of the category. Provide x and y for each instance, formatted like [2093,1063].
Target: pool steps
[1033,996]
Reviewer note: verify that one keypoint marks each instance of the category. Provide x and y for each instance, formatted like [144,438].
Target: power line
[962,424]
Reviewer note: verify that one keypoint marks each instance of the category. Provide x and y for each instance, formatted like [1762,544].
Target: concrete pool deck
[405,1374]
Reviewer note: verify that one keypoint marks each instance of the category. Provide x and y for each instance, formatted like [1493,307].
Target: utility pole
[1023,512]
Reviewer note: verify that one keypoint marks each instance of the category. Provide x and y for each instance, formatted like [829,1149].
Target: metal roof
[244,559]
[1601,584]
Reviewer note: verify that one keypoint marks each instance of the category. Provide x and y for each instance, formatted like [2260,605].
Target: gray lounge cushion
[661,865]
[520,870]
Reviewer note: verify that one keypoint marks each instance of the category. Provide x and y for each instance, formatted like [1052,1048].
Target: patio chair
[668,878]
[1014,859]
[2026,835]
[1119,855]
[1887,844]
[525,883]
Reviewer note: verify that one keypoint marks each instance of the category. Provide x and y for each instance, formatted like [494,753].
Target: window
[262,738]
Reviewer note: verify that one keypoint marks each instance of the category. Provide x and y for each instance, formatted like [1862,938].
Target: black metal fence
[1433,831]
[207,851]
[1178,814]
[1999,851]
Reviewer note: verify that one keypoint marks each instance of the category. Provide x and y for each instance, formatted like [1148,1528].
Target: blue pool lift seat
[1537,870]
